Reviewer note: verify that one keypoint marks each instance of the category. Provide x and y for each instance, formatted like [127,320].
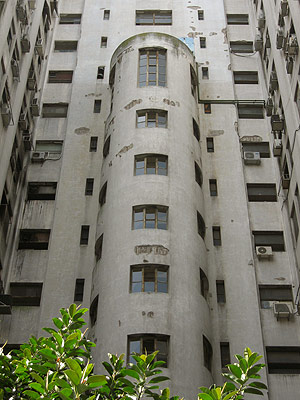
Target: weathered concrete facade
[161,186]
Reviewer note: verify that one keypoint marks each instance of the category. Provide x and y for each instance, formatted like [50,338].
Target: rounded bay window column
[150,248]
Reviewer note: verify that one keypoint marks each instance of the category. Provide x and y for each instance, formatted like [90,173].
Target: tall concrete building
[150,170]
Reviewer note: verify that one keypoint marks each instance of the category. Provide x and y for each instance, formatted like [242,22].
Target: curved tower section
[150,283]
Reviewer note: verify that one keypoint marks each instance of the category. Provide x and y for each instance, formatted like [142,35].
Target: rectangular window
[41,190]
[97,106]
[237,19]
[207,353]
[100,72]
[216,230]
[65,46]
[34,239]
[152,68]
[103,41]
[200,15]
[84,235]
[204,284]
[205,74]
[295,222]
[49,146]
[242,46]
[261,147]
[60,77]
[221,296]
[225,354]
[145,343]
[106,146]
[149,278]
[151,119]
[202,42]
[210,145]
[251,111]
[283,360]
[270,293]
[201,225]
[261,192]
[245,77]
[70,19]
[153,17]
[269,238]
[106,15]
[198,175]
[194,82]
[196,130]
[93,144]
[213,188]
[94,310]
[89,186]
[151,164]
[79,289]
[98,248]
[150,217]
[26,293]
[102,194]
[55,110]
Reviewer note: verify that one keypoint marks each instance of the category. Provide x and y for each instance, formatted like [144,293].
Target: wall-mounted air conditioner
[284,8]
[25,44]
[277,123]
[279,38]
[35,107]
[282,310]
[39,48]
[261,20]
[38,156]
[258,44]
[285,181]
[6,115]
[277,147]
[264,252]
[292,46]
[273,81]
[27,140]
[252,158]
[23,123]
[15,68]
[269,106]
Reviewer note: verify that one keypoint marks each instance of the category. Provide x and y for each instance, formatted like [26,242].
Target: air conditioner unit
[269,106]
[282,310]
[277,147]
[289,65]
[264,251]
[261,19]
[292,46]
[284,7]
[277,122]
[15,68]
[5,301]
[27,140]
[285,181]
[25,44]
[23,123]
[35,108]
[273,81]
[258,44]
[279,38]
[38,156]
[39,49]
[252,157]
[6,115]
[31,4]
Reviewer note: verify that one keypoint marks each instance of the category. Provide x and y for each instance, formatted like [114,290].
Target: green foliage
[240,380]
[59,367]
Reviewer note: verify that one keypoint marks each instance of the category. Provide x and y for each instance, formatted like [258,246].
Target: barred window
[152,68]
[150,217]
[148,343]
[153,17]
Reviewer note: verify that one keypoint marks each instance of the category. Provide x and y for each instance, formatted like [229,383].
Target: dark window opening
[102,194]
[283,360]
[207,353]
[106,147]
[84,235]
[41,190]
[221,296]
[98,248]
[204,284]
[93,144]
[225,354]
[261,147]
[97,106]
[201,225]
[216,230]
[196,130]
[140,344]
[34,239]
[213,188]
[89,186]
[79,289]
[274,239]
[100,72]
[198,175]
[94,310]
[207,108]
[210,147]
[26,293]
[261,192]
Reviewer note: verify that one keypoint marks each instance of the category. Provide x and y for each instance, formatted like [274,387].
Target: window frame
[241,46]
[55,110]
[148,209]
[250,111]
[257,194]
[156,338]
[35,195]
[65,46]
[158,114]
[237,19]
[36,239]
[145,159]
[60,76]
[149,268]
[266,241]
[245,77]
[25,299]
[70,19]
[156,14]
[149,55]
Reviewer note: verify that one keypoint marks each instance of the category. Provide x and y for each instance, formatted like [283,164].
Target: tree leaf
[96,380]
[253,391]
[230,395]
[243,365]
[258,385]
[74,378]
[205,396]
[73,364]
[38,378]
[49,354]
[31,394]
[166,393]
[58,323]
[82,388]
[37,386]
[62,383]
[79,313]
[255,369]
[65,394]
[108,367]
[235,369]
[158,364]
[72,309]
[158,379]
[131,373]
[216,393]
[58,338]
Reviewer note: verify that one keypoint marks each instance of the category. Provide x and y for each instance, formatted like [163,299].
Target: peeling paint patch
[124,150]
[132,104]
[171,102]
[156,249]
[89,94]
[280,279]
[229,67]
[224,31]
[82,131]
[212,33]
[192,28]
[213,132]
[254,138]
[194,34]
[194,7]
[111,122]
